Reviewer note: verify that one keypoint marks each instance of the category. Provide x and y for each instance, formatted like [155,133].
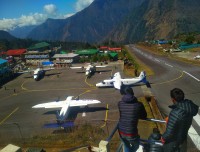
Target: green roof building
[88,52]
[39,46]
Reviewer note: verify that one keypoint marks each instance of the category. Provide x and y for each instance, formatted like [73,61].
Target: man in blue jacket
[179,122]
[130,112]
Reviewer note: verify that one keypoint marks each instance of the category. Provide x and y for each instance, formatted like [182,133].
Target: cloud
[32,19]
[81,4]
[50,9]
[38,18]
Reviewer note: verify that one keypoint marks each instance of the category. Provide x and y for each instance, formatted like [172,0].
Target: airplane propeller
[82,68]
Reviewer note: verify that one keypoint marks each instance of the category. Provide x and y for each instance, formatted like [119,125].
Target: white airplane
[89,70]
[197,57]
[117,81]
[38,73]
[65,105]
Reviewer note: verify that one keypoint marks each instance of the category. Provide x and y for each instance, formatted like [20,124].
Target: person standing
[179,122]
[130,111]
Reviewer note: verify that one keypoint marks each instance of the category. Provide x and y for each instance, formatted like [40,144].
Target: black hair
[177,94]
[129,90]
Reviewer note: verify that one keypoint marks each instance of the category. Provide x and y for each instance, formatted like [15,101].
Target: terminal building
[38,53]
[65,59]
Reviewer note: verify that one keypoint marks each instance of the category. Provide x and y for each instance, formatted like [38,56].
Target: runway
[169,74]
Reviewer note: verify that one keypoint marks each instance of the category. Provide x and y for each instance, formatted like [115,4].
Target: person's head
[177,95]
[124,90]
[129,90]
[155,130]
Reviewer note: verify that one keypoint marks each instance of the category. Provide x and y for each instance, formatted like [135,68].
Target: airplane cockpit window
[103,82]
[111,82]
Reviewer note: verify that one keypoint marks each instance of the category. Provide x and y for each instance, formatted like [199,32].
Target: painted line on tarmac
[88,83]
[194,137]
[191,76]
[9,115]
[169,65]
[22,86]
[106,117]
[197,119]
[169,80]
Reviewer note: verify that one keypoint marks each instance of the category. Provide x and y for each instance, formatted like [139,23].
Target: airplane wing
[117,84]
[117,80]
[27,71]
[47,69]
[77,67]
[101,66]
[50,105]
[74,103]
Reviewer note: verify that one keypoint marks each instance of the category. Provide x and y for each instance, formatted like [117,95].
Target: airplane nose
[98,84]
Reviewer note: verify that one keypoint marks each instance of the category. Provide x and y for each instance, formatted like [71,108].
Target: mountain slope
[91,24]
[6,36]
[124,21]
[159,19]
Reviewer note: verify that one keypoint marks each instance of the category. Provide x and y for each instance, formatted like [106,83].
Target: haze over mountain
[22,32]
[6,36]
[123,21]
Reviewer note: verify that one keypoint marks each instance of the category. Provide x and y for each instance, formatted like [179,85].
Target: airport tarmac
[19,121]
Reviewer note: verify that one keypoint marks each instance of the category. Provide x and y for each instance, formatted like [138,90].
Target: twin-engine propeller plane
[37,73]
[65,107]
[90,69]
[117,81]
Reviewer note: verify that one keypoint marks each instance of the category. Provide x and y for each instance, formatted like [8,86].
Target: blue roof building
[3,66]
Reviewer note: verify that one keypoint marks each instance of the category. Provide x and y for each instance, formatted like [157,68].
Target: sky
[19,13]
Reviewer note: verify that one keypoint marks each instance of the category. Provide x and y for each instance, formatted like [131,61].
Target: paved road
[168,75]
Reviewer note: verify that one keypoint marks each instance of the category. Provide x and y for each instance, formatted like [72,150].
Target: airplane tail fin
[144,79]
[142,76]
[59,117]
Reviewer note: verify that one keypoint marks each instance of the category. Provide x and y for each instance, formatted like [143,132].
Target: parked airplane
[197,57]
[89,70]
[38,73]
[117,81]
[65,105]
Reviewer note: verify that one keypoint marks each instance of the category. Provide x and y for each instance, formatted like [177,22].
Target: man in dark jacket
[130,112]
[179,122]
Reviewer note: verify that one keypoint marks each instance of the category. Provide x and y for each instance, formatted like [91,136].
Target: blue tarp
[2,61]
[47,63]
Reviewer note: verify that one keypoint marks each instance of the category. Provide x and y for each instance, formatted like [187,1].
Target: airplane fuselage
[105,83]
[38,74]
[90,71]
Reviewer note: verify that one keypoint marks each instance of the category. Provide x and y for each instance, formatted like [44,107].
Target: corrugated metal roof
[87,52]
[37,56]
[2,61]
[69,55]
[38,46]
[16,52]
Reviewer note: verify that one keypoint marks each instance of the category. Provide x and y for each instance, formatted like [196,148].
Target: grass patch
[85,134]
